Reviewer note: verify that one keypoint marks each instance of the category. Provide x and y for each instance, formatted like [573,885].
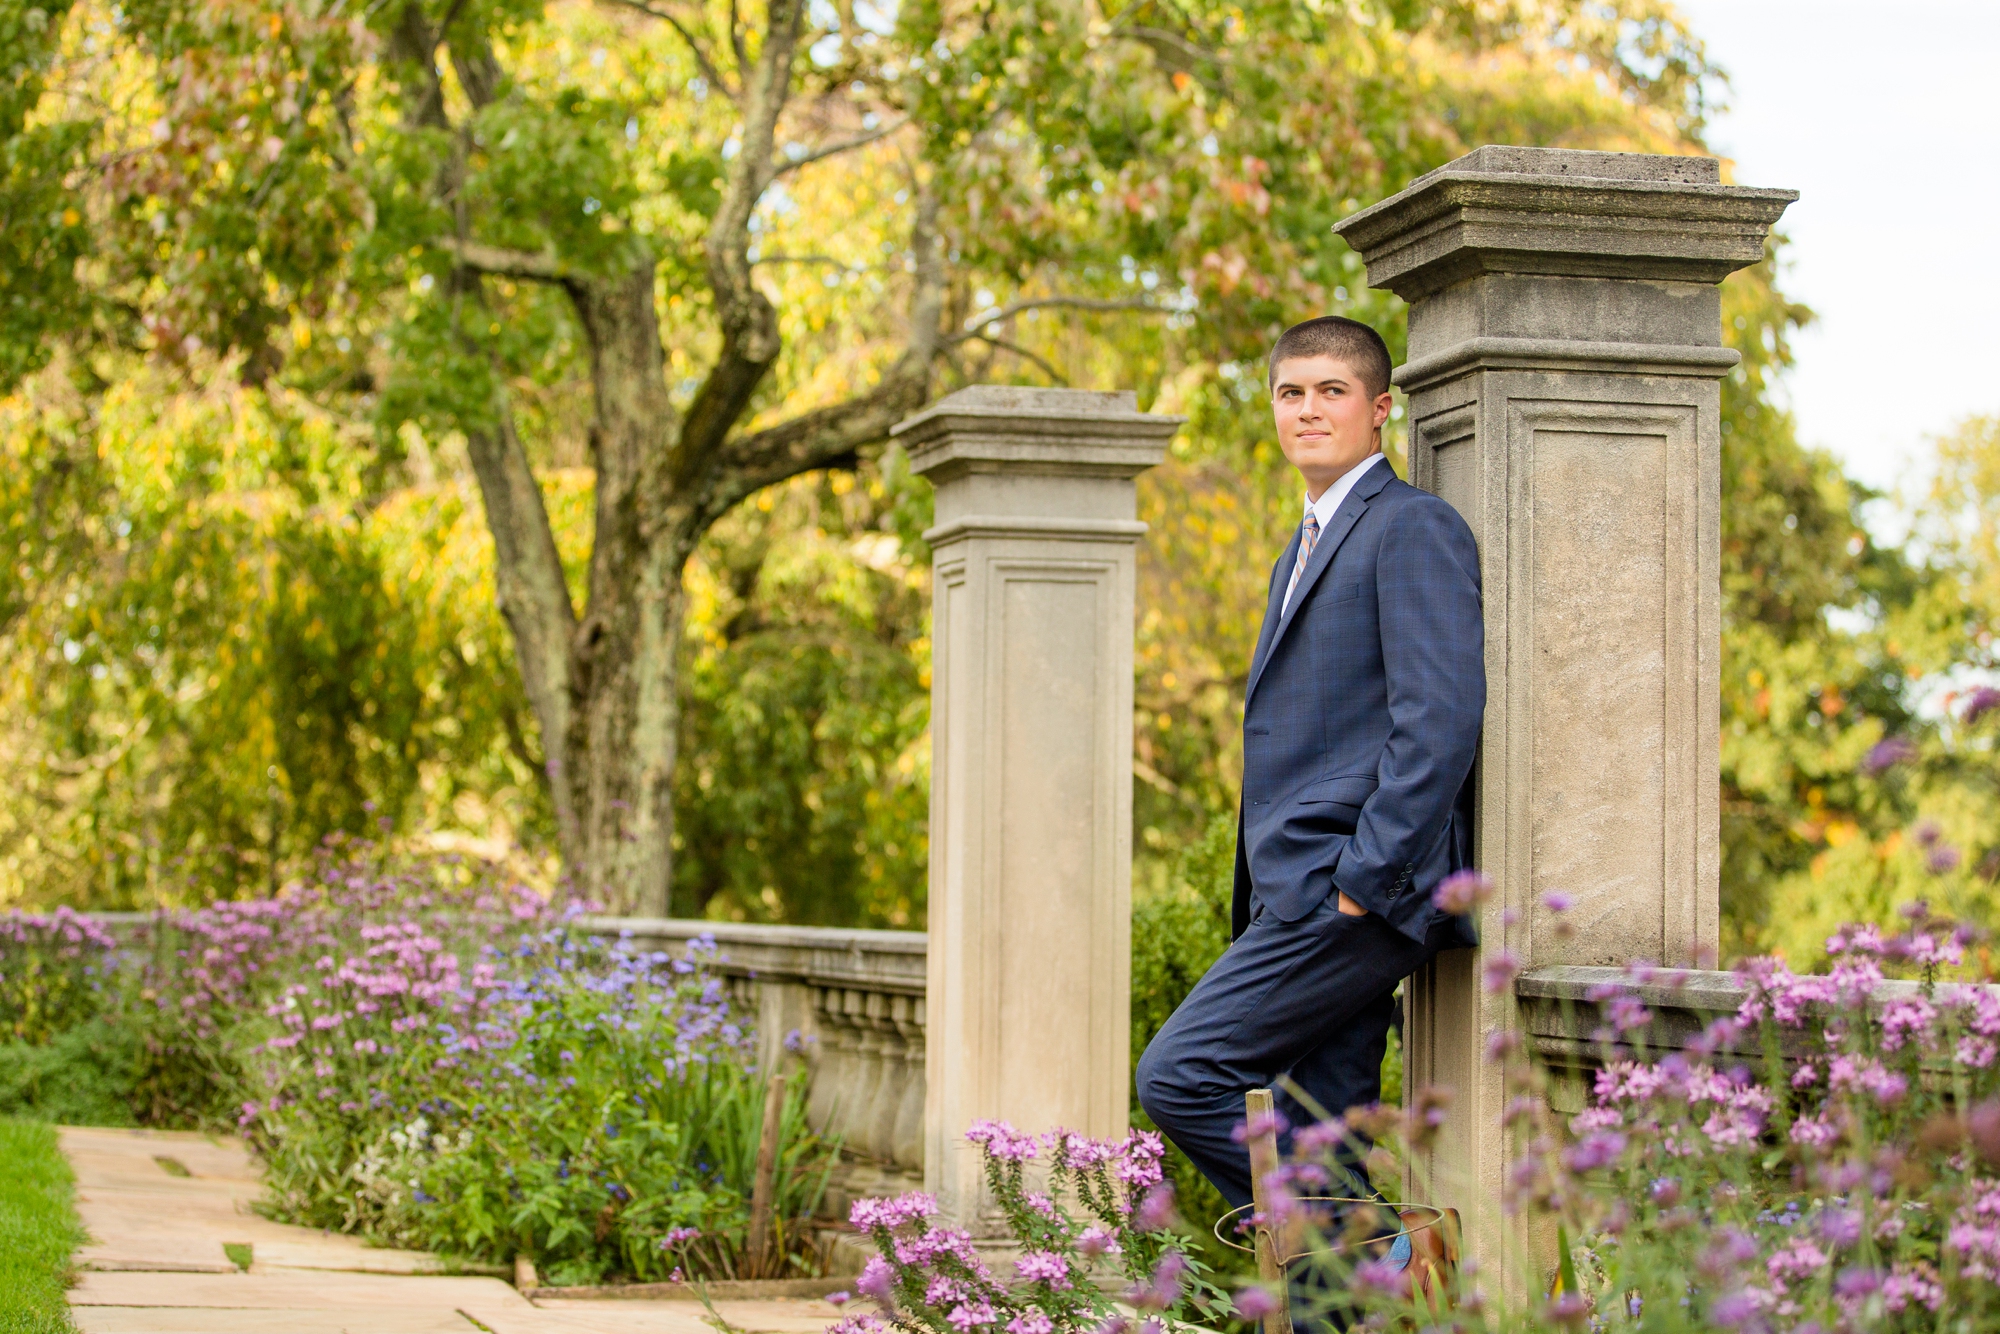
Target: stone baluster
[861,1009]
[833,1080]
[907,1146]
[888,1095]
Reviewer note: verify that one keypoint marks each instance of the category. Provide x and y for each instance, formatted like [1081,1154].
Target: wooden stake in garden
[764,1187]
[1263,1127]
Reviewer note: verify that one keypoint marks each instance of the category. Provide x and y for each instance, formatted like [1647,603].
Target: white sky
[1886,117]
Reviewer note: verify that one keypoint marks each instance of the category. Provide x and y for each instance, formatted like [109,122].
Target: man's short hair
[1336,336]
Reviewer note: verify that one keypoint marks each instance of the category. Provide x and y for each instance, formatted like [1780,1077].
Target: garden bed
[430,1058]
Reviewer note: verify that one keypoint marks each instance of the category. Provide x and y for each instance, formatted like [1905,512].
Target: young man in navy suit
[1360,720]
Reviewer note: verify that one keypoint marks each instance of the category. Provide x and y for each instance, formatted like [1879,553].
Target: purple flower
[1557,901]
[1738,1310]
[1255,1303]
[1381,1276]
[1943,859]
[1462,891]
[1499,972]
[1030,1322]
[1979,701]
[877,1281]
[970,1315]
[1044,1267]
[1596,1151]
[1840,1227]
[1887,753]
[1156,1210]
[1001,1141]
[1568,1309]
[870,1214]
[1163,1288]
[1856,1283]
[1096,1241]
[1269,1123]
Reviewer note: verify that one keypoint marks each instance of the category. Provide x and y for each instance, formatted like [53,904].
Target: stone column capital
[1006,428]
[1563,212]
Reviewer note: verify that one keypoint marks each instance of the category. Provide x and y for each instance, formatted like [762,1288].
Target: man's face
[1326,418]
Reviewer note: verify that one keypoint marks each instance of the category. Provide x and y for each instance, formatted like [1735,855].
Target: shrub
[83,1075]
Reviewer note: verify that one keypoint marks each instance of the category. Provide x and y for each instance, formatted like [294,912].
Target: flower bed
[425,1055]
[1825,1159]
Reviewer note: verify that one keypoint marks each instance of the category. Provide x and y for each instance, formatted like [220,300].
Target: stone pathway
[165,1210]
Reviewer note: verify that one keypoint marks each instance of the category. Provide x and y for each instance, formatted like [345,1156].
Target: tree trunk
[603,688]
[623,725]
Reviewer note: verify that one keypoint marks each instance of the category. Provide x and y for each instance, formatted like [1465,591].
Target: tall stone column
[1565,358]
[1031,764]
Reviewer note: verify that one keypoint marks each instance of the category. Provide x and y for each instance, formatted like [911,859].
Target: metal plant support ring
[1435,1217]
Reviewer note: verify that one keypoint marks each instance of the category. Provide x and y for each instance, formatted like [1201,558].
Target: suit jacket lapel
[1273,606]
[1344,519]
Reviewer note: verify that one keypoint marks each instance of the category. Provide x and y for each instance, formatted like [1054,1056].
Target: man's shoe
[1433,1269]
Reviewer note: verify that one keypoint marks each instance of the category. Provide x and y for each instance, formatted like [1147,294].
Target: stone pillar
[1565,355]
[1031,764]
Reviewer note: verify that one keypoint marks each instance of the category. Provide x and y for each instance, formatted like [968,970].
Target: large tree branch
[750,340]
[1024,354]
[782,166]
[500,262]
[829,437]
[700,52]
[1010,310]
[833,436]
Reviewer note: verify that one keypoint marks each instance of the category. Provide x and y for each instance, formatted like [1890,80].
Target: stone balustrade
[1562,1024]
[849,1007]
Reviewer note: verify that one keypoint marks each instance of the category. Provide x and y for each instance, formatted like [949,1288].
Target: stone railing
[850,1006]
[1561,1022]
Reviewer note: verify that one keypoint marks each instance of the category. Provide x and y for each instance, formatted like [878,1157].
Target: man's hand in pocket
[1349,906]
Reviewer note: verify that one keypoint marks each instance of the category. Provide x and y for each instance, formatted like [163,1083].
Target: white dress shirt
[1329,501]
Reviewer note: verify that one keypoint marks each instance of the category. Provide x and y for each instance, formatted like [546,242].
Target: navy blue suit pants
[1311,999]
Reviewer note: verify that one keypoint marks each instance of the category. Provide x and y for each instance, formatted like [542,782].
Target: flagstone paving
[165,1209]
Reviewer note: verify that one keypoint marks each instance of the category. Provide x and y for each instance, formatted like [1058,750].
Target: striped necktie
[1307,538]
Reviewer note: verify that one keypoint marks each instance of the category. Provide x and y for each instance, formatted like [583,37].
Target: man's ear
[1384,401]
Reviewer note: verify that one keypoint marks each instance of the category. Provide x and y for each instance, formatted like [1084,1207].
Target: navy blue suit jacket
[1362,715]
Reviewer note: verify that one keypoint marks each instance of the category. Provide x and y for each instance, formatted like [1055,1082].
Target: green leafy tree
[701,250]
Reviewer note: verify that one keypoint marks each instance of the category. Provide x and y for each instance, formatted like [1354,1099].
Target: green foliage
[86,1075]
[805,785]
[214,662]
[43,233]
[39,1230]
[264,212]
[1833,647]
[1179,929]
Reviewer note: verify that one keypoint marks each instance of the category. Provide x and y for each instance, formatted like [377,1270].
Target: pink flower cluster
[1975,1231]
[930,1278]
